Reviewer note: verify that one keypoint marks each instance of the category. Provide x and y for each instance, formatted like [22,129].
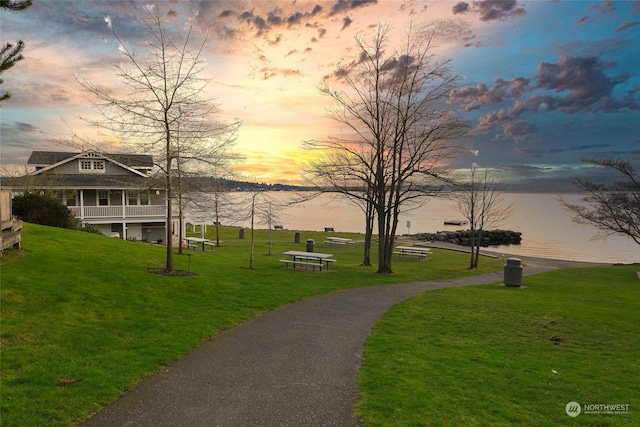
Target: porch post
[124,207]
[82,206]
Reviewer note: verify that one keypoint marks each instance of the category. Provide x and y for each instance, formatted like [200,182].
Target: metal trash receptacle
[241,233]
[513,272]
[311,245]
[296,238]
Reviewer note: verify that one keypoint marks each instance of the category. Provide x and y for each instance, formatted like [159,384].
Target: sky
[543,83]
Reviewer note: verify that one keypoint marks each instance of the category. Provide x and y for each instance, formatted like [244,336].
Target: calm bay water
[547,229]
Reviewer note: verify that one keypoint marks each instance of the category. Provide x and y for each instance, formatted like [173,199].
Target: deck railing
[95,212]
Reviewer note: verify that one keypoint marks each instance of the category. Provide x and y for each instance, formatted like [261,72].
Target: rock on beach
[463,237]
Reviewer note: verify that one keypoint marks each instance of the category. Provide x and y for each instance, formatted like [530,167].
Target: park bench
[329,230]
[278,228]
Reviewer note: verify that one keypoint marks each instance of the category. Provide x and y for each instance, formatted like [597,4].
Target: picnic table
[307,259]
[338,241]
[414,252]
[193,242]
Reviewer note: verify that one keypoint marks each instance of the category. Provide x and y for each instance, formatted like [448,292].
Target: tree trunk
[473,247]
[169,264]
[477,254]
[368,236]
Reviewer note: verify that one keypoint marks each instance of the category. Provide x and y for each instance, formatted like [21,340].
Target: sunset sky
[544,83]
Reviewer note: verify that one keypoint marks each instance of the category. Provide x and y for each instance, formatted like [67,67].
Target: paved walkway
[294,366]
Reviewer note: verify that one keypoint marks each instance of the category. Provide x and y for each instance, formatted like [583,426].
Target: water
[547,229]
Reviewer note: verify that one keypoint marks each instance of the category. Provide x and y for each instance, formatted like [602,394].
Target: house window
[68,199]
[103,198]
[71,199]
[92,165]
[138,198]
[132,196]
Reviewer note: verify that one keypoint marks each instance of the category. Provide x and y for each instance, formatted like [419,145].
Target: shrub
[43,209]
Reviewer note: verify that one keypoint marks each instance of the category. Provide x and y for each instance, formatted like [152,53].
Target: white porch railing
[96,212]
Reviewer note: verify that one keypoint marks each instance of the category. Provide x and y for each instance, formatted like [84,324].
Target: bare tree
[165,112]
[615,205]
[215,202]
[480,199]
[347,173]
[401,136]
[261,209]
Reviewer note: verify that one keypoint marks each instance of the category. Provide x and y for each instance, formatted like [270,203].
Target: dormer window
[91,165]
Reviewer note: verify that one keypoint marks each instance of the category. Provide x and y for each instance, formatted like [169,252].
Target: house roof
[46,158]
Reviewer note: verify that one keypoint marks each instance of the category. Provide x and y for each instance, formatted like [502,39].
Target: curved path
[294,366]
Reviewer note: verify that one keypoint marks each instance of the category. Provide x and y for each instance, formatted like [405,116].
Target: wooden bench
[278,228]
[329,230]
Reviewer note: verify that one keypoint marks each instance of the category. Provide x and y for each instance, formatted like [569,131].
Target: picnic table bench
[338,241]
[412,252]
[195,242]
[311,260]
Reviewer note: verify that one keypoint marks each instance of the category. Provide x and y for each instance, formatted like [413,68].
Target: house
[115,192]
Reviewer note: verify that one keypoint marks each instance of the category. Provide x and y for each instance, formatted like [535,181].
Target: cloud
[626,25]
[588,88]
[25,127]
[346,22]
[453,31]
[573,85]
[606,6]
[346,5]
[461,7]
[583,20]
[473,97]
[491,10]
[231,19]
[270,72]
[517,131]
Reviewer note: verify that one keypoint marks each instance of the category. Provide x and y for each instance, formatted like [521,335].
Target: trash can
[513,272]
[241,234]
[296,238]
[311,245]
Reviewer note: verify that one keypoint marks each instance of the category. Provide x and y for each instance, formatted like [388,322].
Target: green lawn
[499,356]
[82,307]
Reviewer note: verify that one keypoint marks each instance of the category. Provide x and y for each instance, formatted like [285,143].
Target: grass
[499,356]
[83,321]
